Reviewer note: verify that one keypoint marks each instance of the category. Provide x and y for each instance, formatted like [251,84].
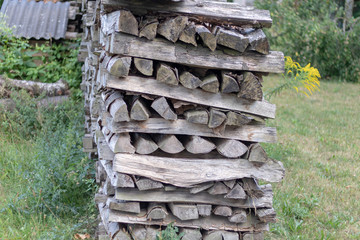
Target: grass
[319,144]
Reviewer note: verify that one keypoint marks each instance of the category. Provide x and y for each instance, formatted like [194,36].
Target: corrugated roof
[33,19]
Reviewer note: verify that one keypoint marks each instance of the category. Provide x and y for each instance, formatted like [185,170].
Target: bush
[313,31]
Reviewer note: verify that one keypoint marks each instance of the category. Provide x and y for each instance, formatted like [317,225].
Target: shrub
[313,31]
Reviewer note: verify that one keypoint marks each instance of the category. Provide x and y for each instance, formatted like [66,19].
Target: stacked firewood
[175,107]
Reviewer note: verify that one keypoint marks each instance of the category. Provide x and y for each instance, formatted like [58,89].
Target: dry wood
[230,184]
[197,96]
[230,235]
[221,235]
[117,179]
[189,35]
[100,198]
[258,41]
[204,209]
[223,211]
[250,87]
[104,152]
[253,236]
[138,232]
[238,216]
[117,107]
[198,145]
[144,184]
[167,75]
[201,187]
[257,154]
[206,36]
[184,196]
[181,106]
[231,39]
[139,110]
[88,141]
[133,207]
[169,143]
[152,233]
[218,189]
[184,211]
[266,214]
[200,116]
[252,188]
[170,188]
[148,28]
[156,211]
[209,11]
[119,66]
[172,28]
[119,21]
[236,119]
[162,50]
[230,148]
[187,172]
[237,192]
[145,66]
[144,144]
[253,133]
[228,83]
[189,80]
[162,107]
[190,234]
[122,235]
[210,83]
[119,142]
[108,188]
[216,118]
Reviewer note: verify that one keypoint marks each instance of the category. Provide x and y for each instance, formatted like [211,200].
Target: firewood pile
[174,116]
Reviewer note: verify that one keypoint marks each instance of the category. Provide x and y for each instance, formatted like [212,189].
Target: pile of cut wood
[175,115]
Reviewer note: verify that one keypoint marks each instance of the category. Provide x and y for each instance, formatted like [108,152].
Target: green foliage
[170,233]
[46,63]
[314,31]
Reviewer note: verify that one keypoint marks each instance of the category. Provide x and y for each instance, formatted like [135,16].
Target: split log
[228,84]
[144,66]
[122,235]
[223,211]
[172,28]
[230,184]
[162,107]
[204,210]
[119,21]
[163,50]
[88,141]
[117,107]
[210,83]
[230,148]
[187,172]
[170,188]
[138,232]
[250,87]
[184,196]
[189,80]
[148,28]
[119,66]
[169,143]
[144,184]
[100,198]
[132,207]
[156,211]
[184,211]
[252,188]
[236,119]
[230,235]
[201,187]
[152,233]
[216,118]
[167,75]
[238,216]
[196,96]
[199,116]
[181,106]
[231,39]
[206,36]
[258,41]
[139,111]
[213,235]
[257,154]
[108,188]
[144,144]
[104,152]
[190,234]
[117,179]
[100,173]
[189,35]
[253,236]
[119,142]
[266,215]
[198,145]
[218,189]
[237,192]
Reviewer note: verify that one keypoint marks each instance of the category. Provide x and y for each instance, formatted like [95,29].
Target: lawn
[319,144]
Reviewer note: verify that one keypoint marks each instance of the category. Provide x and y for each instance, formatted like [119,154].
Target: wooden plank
[186,172]
[181,53]
[219,100]
[183,196]
[204,11]
[252,133]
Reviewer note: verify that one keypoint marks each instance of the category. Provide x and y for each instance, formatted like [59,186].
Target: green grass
[319,144]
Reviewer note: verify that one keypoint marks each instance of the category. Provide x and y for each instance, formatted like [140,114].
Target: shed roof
[32,19]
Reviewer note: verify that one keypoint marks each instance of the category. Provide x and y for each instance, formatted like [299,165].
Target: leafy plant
[170,233]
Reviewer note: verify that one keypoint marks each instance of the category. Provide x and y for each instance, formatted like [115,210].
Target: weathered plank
[181,53]
[224,101]
[204,11]
[186,172]
[133,207]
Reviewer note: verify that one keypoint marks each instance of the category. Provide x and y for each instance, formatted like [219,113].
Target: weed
[170,233]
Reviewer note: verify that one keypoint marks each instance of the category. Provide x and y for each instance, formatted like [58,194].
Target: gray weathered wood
[230,235]
[119,142]
[257,154]
[108,188]
[230,148]
[210,83]
[181,53]
[213,235]
[166,74]
[189,80]
[230,183]
[144,66]
[204,210]
[162,107]
[100,198]
[144,184]
[250,87]
[231,39]
[117,179]
[138,232]
[238,216]
[139,111]
[237,192]
[118,110]
[201,187]
[206,36]
[172,28]
[224,101]
[119,66]
[266,214]
[189,35]
[148,28]
[144,144]
[216,118]
[133,207]
[156,211]
[198,145]
[218,188]
[181,106]
[253,236]
[252,188]
[200,116]
[119,21]
[228,83]
[186,172]
[207,11]
[223,211]
[184,196]
[190,234]
[236,119]
[258,41]
[184,211]
[169,143]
